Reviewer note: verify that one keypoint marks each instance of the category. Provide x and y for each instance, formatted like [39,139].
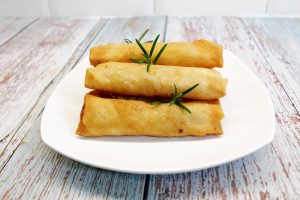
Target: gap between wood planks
[63,71]
[246,177]
[146,187]
[246,24]
[31,22]
[38,107]
[19,31]
[281,46]
[44,95]
[147,179]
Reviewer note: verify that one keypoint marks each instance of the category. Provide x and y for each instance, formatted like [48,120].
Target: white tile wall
[101,7]
[210,7]
[283,7]
[147,7]
[24,8]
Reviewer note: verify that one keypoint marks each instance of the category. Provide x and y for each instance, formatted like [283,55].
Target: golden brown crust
[115,117]
[200,53]
[132,79]
[81,127]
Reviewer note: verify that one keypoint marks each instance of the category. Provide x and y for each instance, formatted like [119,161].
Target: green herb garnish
[128,41]
[149,55]
[137,60]
[176,98]
[143,34]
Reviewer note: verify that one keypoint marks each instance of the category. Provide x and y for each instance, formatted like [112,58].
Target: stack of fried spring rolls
[119,104]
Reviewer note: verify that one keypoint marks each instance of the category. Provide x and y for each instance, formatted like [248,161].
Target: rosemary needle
[176,98]
[153,45]
[159,53]
[128,41]
[145,54]
[137,60]
[143,34]
[183,107]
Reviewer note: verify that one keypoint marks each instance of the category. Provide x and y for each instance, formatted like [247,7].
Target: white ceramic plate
[248,125]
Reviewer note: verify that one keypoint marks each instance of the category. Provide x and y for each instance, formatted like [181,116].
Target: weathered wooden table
[35,54]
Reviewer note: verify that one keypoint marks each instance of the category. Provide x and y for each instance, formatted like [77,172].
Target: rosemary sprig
[148,56]
[176,98]
[128,41]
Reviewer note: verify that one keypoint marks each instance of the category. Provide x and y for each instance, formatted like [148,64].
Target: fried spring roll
[200,53]
[132,79]
[119,117]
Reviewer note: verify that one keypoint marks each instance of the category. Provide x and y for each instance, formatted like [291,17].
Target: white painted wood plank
[83,8]
[138,24]
[117,29]
[36,172]
[30,60]
[279,42]
[11,26]
[70,179]
[11,142]
[273,171]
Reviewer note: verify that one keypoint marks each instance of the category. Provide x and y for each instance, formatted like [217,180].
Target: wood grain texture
[37,172]
[57,176]
[279,42]
[12,26]
[46,50]
[273,171]
[116,30]
[25,71]
[11,141]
